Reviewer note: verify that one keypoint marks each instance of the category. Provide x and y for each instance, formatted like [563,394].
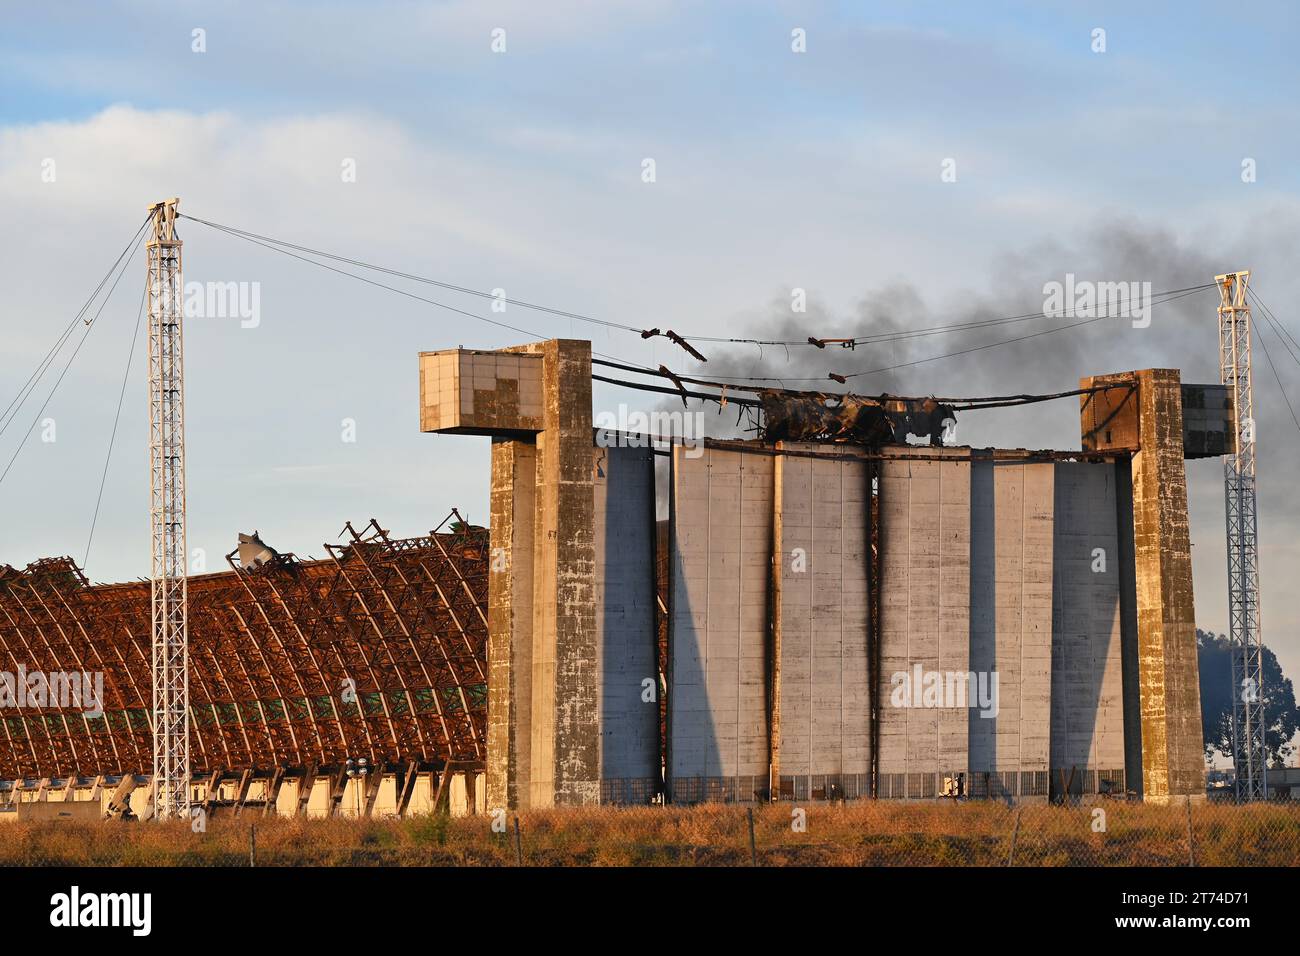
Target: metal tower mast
[1249,754]
[170,593]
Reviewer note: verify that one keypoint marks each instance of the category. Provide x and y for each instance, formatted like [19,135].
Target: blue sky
[522,170]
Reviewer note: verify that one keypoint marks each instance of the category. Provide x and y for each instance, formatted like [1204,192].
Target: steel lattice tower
[170,657]
[1249,754]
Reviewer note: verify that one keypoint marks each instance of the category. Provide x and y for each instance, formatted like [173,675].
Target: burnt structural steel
[378,651]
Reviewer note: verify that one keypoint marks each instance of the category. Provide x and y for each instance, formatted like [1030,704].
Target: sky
[913,164]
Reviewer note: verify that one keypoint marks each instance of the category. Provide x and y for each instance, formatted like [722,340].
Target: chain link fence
[1100,832]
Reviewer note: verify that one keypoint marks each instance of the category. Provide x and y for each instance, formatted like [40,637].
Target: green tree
[1281,716]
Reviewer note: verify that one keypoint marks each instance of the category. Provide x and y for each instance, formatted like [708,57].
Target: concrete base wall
[287,800]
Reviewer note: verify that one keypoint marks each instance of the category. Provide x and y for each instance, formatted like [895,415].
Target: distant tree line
[1281,716]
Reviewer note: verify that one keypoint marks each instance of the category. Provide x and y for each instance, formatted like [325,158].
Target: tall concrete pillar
[565,691]
[1142,411]
[510,620]
[543,682]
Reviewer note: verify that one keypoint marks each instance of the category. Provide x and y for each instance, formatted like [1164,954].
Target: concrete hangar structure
[779,641]
[843,620]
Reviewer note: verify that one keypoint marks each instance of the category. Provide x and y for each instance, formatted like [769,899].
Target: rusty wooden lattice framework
[378,651]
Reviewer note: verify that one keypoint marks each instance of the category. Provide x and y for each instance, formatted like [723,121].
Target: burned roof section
[872,422]
[377,651]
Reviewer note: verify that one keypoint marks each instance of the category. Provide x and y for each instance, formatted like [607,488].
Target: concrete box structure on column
[471,392]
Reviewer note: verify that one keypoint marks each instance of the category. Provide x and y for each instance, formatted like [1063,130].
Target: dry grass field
[855,834]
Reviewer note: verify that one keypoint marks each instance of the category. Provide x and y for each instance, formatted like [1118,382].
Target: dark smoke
[1183,334]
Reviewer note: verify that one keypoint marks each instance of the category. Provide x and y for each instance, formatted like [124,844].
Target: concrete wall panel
[1087,701]
[721,528]
[925,516]
[626,652]
[1011,618]
[822,555]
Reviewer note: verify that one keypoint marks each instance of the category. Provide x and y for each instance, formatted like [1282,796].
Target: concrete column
[510,621]
[543,693]
[1173,760]
[1169,701]
[565,718]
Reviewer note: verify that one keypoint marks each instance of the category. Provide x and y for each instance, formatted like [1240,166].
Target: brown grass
[857,834]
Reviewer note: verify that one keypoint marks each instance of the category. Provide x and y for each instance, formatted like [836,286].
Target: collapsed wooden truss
[378,651]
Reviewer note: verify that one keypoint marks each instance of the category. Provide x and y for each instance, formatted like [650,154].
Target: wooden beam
[338,786]
[444,785]
[272,791]
[241,794]
[373,781]
[214,788]
[117,803]
[305,786]
[471,796]
[407,790]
